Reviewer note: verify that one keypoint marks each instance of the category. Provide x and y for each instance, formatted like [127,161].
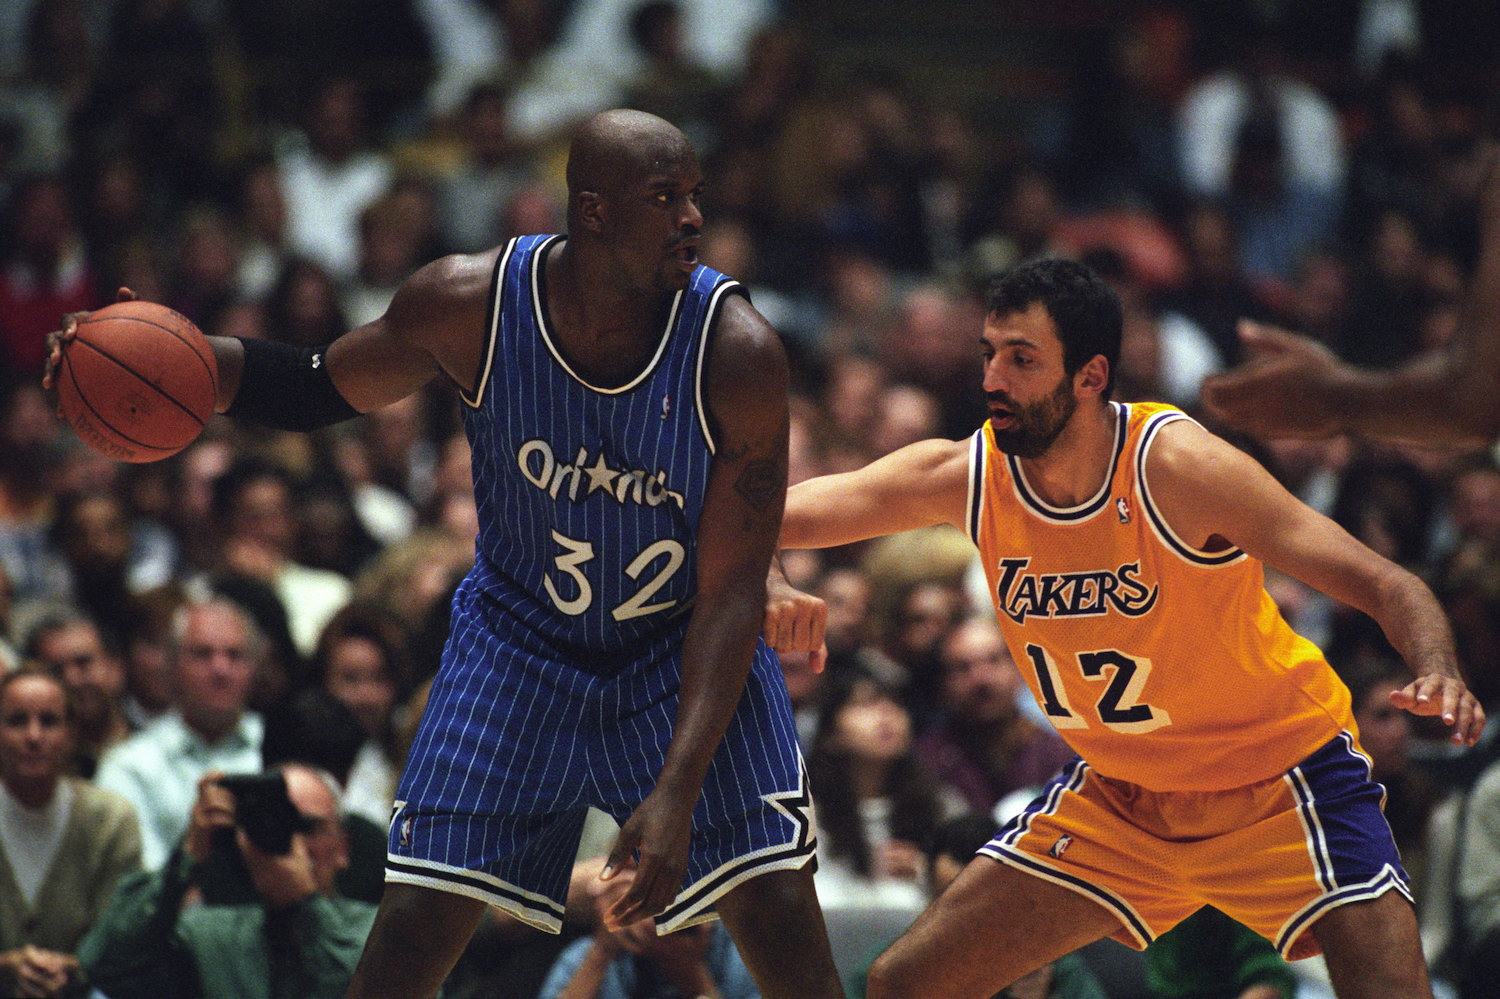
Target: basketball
[138,382]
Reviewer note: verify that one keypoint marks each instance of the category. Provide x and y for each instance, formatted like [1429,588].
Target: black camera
[263,809]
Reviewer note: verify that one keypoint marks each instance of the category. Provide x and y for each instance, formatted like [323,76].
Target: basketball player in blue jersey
[628,414]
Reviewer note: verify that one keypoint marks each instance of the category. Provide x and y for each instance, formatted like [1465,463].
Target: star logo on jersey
[1063,842]
[796,805]
[1122,507]
[601,476]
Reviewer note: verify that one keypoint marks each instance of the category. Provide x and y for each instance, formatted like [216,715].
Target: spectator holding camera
[213,651]
[63,842]
[297,937]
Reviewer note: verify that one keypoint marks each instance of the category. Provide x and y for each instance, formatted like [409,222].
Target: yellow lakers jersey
[1160,664]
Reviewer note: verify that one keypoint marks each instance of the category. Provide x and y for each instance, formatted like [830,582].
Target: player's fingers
[1263,340]
[1471,721]
[620,855]
[124,295]
[818,659]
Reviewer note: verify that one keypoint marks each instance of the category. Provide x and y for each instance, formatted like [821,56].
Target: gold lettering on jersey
[1071,594]
[588,475]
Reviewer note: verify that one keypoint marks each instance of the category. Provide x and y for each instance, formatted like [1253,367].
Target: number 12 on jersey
[1118,707]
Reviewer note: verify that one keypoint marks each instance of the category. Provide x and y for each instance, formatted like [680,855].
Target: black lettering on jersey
[1071,594]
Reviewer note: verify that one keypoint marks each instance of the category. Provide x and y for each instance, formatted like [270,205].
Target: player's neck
[1075,467]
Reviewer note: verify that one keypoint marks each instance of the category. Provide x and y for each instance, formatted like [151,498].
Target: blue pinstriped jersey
[588,497]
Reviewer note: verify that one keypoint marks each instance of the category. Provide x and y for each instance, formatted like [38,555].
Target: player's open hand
[1282,391]
[1446,696]
[654,840]
[795,621]
[59,338]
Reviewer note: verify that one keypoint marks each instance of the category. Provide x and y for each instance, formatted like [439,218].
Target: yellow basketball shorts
[1274,855]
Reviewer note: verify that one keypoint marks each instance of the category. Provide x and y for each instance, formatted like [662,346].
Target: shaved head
[615,146]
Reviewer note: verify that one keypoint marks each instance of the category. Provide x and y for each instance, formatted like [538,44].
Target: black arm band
[288,388]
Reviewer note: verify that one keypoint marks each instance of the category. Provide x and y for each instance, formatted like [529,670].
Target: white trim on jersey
[1159,525]
[710,313]
[538,261]
[544,914]
[492,337]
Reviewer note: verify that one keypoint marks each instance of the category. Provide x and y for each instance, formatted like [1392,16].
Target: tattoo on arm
[760,483]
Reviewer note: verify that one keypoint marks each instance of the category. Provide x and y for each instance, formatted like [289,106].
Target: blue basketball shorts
[1274,855]
[512,750]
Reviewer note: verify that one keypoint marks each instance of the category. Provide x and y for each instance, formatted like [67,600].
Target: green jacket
[146,946]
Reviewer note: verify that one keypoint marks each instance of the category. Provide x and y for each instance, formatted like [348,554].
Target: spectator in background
[148,673]
[64,842]
[1210,956]
[298,937]
[951,846]
[1390,294]
[1385,734]
[876,801]
[91,531]
[302,307]
[1469,574]
[333,177]
[69,645]
[984,747]
[634,962]
[261,216]
[362,660]
[669,82]
[214,651]
[389,249]
[1217,293]
[1476,906]
[253,504]
[473,197]
[44,274]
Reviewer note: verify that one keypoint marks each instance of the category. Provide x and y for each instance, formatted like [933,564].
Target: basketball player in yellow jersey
[1219,761]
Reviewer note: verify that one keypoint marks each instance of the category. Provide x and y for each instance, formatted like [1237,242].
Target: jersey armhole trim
[975,502]
[492,335]
[1159,525]
[710,316]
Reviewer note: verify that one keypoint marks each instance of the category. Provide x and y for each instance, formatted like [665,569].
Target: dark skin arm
[431,327]
[746,390]
[1296,387]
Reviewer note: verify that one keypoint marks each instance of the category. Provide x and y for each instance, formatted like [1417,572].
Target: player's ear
[1092,377]
[591,210]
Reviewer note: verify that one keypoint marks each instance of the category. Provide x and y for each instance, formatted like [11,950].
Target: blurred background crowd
[274,168]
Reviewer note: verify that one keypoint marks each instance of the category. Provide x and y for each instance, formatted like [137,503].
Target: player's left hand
[1448,697]
[655,840]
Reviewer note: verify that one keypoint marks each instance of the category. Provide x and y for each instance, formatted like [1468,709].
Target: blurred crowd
[276,169]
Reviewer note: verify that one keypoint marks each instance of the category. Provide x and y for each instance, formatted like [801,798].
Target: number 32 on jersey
[1118,707]
[575,554]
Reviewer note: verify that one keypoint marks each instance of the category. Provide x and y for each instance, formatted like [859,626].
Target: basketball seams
[99,417]
[142,379]
[209,366]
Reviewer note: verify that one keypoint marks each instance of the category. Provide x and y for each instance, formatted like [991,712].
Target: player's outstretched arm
[920,485]
[435,323]
[1295,387]
[746,392]
[1214,496]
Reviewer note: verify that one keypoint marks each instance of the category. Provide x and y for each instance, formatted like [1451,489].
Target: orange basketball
[138,382]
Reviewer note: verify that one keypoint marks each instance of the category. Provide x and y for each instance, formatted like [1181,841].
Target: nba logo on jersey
[1063,842]
[1123,509]
[406,831]
[666,405]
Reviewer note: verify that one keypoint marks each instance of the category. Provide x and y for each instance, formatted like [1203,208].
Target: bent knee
[892,977]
